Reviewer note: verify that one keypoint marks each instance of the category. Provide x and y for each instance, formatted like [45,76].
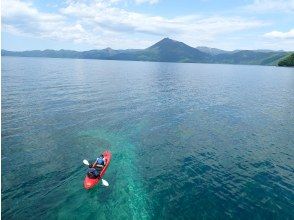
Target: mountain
[166,50]
[43,53]
[212,51]
[287,60]
[249,57]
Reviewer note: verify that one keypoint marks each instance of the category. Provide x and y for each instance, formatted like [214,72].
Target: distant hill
[166,50]
[249,57]
[212,51]
[287,61]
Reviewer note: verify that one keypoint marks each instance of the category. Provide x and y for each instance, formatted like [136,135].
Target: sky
[137,24]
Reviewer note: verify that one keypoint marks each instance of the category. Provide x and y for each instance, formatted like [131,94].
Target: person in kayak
[96,167]
[100,162]
[93,173]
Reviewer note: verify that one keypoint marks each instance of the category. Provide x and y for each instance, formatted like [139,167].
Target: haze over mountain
[166,50]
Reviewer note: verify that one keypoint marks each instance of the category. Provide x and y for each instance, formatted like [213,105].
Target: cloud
[21,18]
[101,24]
[121,21]
[12,9]
[280,35]
[271,6]
[278,40]
[146,1]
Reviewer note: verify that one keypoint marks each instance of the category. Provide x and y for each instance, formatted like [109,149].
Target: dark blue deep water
[189,141]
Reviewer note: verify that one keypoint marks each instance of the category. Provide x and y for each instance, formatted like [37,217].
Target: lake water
[189,141]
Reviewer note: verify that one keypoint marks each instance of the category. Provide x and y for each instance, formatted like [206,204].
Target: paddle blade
[86,162]
[105,183]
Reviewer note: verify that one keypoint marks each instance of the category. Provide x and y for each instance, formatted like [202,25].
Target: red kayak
[89,182]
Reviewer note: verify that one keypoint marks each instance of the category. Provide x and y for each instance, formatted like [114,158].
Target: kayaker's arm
[97,165]
[94,164]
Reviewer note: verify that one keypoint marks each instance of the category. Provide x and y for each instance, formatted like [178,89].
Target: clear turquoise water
[189,141]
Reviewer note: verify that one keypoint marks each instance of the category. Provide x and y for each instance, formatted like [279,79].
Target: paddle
[86,162]
[104,182]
